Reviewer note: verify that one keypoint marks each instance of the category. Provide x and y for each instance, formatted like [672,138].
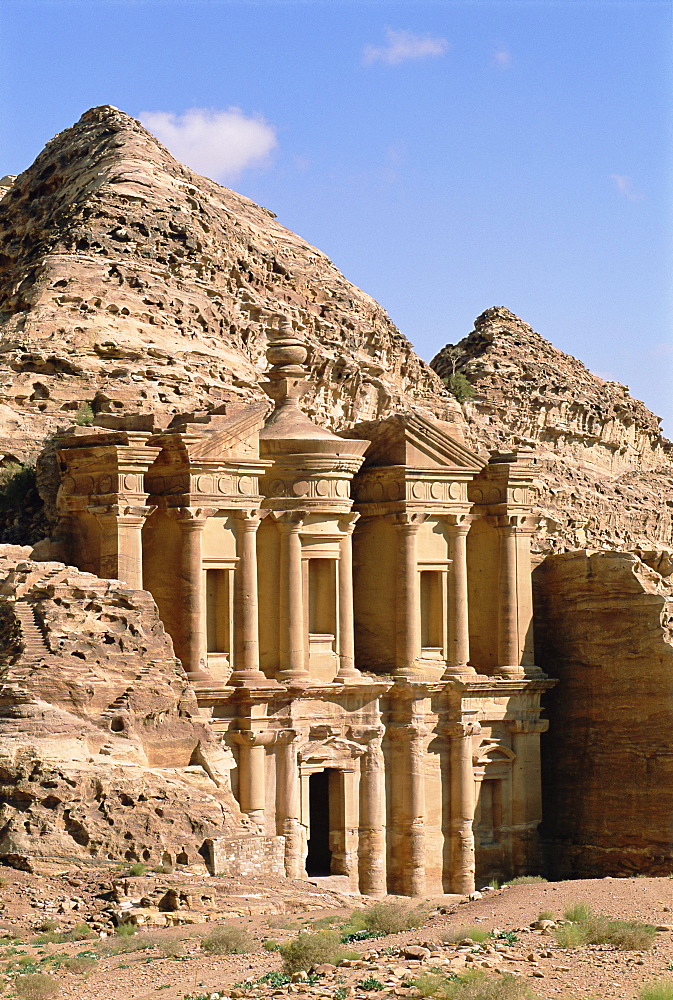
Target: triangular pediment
[411,440]
[229,436]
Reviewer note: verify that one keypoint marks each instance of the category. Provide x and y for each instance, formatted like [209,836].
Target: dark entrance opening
[319,858]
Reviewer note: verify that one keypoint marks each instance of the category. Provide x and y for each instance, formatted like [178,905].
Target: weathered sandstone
[128,282]
[102,752]
[604,627]
[606,478]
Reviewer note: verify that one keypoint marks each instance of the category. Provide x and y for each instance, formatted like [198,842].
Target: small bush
[80,964]
[270,945]
[282,922]
[228,939]
[84,415]
[459,386]
[476,934]
[47,925]
[578,913]
[137,869]
[494,884]
[594,928]
[661,990]
[371,985]
[127,944]
[526,880]
[17,483]
[81,932]
[387,917]
[307,950]
[36,986]
[475,985]
[546,915]
[126,930]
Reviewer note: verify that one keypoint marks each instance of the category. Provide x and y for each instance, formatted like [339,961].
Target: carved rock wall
[101,749]
[605,469]
[604,627]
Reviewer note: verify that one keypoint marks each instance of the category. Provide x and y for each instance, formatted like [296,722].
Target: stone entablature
[354,614]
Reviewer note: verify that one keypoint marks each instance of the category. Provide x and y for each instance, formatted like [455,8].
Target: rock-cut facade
[354,614]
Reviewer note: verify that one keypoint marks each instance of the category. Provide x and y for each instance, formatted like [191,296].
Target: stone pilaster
[292,630]
[246,623]
[526,792]
[252,771]
[515,601]
[288,805]
[347,672]
[121,550]
[457,526]
[192,651]
[407,857]
[462,863]
[372,838]
[408,603]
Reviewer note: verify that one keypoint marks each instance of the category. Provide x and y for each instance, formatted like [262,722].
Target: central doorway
[319,857]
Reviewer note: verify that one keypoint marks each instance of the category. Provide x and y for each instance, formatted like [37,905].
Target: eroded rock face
[604,627]
[102,752]
[605,469]
[128,282]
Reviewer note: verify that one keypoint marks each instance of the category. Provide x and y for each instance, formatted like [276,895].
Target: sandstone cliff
[101,749]
[604,627]
[128,282]
[606,473]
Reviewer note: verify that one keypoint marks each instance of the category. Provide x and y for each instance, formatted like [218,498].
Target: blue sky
[447,156]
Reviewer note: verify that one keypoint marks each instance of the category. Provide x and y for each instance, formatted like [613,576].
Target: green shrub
[270,945]
[578,913]
[526,880]
[371,985]
[47,925]
[137,869]
[126,930]
[477,985]
[80,964]
[546,915]
[81,932]
[459,386]
[36,986]
[661,990]
[594,928]
[17,482]
[307,950]
[388,917]
[228,939]
[476,934]
[84,415]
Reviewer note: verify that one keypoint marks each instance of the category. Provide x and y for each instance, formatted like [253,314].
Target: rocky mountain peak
[129,283]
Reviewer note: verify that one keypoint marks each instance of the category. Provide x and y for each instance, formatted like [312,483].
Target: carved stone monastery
[312,637]
[355,614]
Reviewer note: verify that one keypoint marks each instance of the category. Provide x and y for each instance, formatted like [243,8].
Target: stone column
[462,868]
[252,771]
[192,598]
[416,751]
[347,671]
[121,549]
[515,602]
[288,809]
[526,793]
[408,605]
[372,838]
[458,526]
[407,812]
[292,634]
[246,623]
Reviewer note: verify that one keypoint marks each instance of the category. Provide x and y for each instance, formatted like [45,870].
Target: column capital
[347,522]
[253,737]
[408,522]
[249,517]
[514,523]
[192,518]
[285,737]
[130,514]
[461,730]
[527,726]
[370,736]
[458,524]
[289,520]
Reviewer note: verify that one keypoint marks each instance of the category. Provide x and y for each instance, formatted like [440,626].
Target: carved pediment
[411,440]
[230,436]
[335,751]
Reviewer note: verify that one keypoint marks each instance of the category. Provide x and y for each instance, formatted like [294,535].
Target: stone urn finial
[286,353]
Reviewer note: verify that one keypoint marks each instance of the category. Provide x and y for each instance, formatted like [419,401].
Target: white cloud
[219,144]
[502,58]
[624,186]
[404,45]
